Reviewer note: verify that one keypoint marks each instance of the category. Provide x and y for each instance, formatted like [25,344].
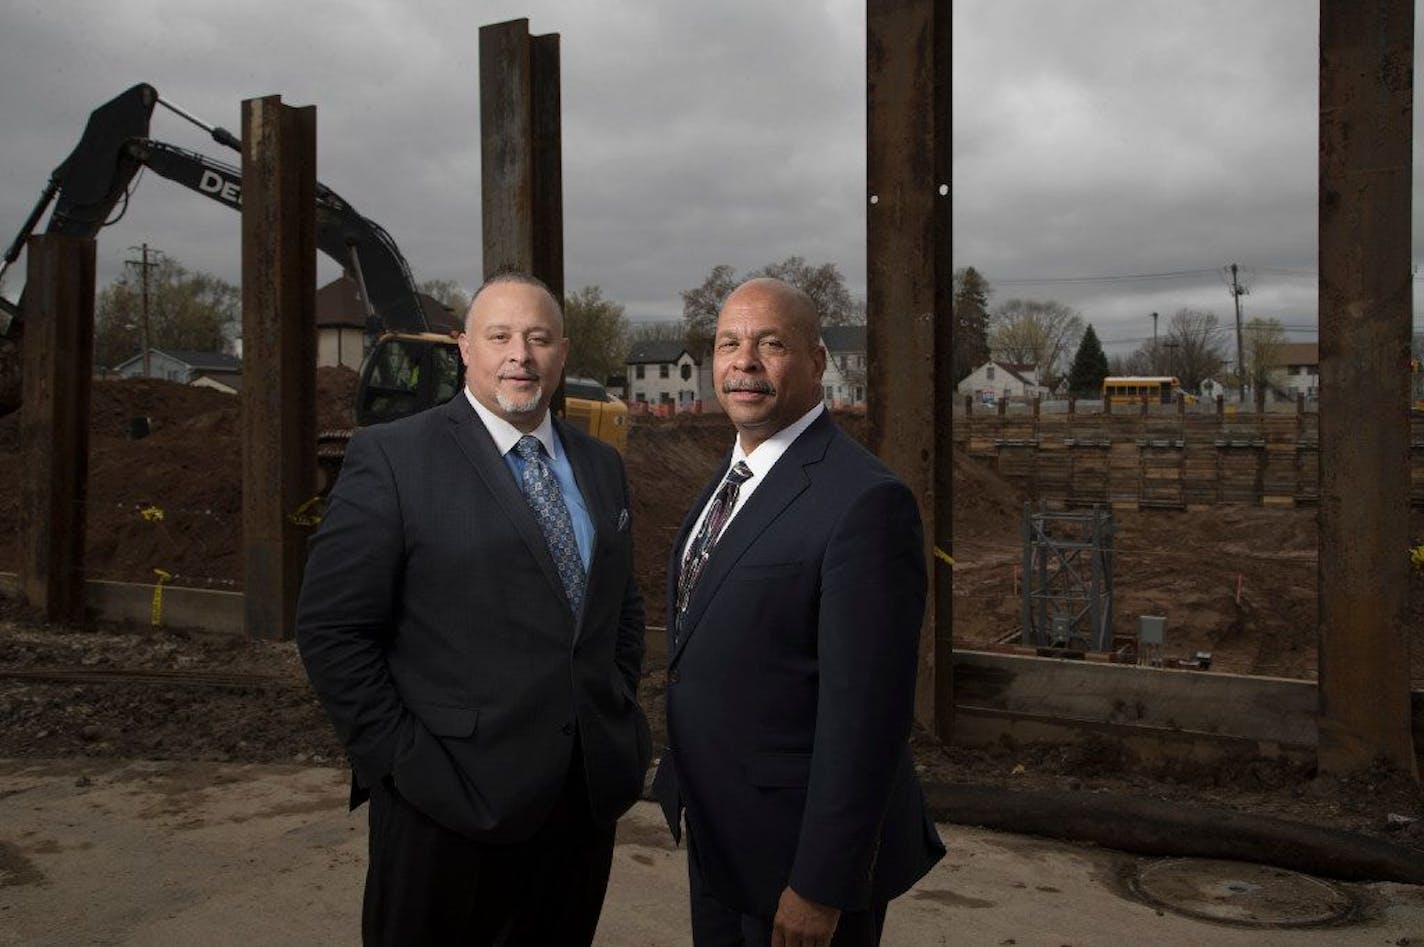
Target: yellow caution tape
[152,514]
[307,514]
[941,554]
[156,615]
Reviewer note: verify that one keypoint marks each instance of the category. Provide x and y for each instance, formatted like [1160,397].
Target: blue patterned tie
[700,549]
[542,491]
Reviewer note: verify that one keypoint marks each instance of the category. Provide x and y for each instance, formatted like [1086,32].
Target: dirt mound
[1236,582]
[171,500]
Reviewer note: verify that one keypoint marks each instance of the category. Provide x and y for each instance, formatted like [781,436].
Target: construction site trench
[1236,581]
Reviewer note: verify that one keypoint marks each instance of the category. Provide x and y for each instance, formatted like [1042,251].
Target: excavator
[408,367]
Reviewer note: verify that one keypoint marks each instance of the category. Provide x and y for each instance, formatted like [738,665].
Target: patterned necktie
[701,548]
[542,491]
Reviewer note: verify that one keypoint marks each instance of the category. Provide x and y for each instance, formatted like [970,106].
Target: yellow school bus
[1144,389]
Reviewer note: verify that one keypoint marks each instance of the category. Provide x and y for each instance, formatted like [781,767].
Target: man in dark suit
[470,621]
[796,592]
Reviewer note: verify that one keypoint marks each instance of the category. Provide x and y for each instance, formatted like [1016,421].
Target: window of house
[859,393]
[830,393]
[638,371]
[686,372]
[990,373]
[845,362]
[663,371]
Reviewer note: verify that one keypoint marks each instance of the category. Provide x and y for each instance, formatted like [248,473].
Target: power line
[1123,278]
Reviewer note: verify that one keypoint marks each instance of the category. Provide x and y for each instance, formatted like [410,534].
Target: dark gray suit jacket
[436,632]
[791,687]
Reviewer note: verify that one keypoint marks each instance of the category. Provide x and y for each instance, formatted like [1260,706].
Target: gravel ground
[251,703]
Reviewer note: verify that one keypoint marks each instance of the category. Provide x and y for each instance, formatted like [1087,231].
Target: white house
[1300,362]
[844,380]
[665,373]
[996,381]
[210,369]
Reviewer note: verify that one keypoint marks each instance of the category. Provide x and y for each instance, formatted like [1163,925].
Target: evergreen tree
[1090,366]
[971,322]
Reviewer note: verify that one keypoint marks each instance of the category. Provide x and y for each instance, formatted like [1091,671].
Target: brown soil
[1237,582]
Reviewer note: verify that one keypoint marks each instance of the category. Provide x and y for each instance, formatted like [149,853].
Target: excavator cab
[406,373]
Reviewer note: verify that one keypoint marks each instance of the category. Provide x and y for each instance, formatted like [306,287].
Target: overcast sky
[1097,138]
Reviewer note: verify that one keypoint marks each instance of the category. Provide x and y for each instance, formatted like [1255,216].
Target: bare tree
[447,293]
[655,332]
[824,284]
[598,334]
[1264,342]
[1035,332]
[1193,349]
[701,304]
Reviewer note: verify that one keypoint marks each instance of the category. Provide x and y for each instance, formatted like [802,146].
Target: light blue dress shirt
[506,435]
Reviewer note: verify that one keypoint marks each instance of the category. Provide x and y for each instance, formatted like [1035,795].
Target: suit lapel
[787,479]
[478,447]
[674,569]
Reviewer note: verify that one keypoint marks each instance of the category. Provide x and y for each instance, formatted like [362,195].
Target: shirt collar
[765,455]
[506,435]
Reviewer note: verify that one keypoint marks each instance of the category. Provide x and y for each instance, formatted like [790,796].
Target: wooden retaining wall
[1169,459]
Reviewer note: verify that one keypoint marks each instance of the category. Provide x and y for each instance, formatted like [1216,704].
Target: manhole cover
[1239,893]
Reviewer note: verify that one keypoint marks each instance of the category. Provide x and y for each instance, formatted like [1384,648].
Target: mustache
[523,375]
[759,385]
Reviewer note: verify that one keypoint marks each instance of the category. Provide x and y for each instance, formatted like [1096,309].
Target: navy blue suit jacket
[791,685]
[436,632]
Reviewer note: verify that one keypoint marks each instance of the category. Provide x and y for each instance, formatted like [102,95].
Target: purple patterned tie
[701,547]
[542,491]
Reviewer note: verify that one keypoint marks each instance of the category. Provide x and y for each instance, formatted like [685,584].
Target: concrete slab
[114,852]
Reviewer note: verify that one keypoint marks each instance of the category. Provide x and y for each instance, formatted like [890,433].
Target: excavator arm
[97,176]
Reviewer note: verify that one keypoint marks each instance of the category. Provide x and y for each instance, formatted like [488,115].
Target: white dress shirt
[761,459]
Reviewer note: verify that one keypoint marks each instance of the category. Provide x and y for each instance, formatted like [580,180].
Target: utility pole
[1237,291]
[144,266]
[1156,362]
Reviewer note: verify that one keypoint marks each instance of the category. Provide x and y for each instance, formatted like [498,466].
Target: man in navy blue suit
[796,593]
[470,621]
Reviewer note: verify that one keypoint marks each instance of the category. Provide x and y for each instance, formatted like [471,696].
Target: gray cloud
[1091,138]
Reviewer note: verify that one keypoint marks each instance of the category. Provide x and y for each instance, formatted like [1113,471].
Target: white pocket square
[622,519]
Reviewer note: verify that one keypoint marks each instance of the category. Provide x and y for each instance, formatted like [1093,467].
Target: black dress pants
[427,885]
[716,925]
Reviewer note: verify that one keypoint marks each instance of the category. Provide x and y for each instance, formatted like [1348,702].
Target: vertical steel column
[1366,112]
[521,157]
[522,198]
[54,422]
[910,388]
[279,356]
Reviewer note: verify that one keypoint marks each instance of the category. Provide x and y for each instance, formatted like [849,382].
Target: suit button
[567,729]
[673,676]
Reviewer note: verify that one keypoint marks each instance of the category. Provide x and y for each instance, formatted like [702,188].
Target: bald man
[470,621]
[796,590]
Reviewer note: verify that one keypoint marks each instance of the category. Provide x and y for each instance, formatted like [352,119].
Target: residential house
[845,377]
[341,322]
[995,381]
[206,369]
[663,373]
[1300,362]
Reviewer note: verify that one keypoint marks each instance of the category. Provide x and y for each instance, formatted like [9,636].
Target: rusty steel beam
[279,357]
[547,218]
[1366,117]
[54,423]
[521,190]
[521,157]
[911,388]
